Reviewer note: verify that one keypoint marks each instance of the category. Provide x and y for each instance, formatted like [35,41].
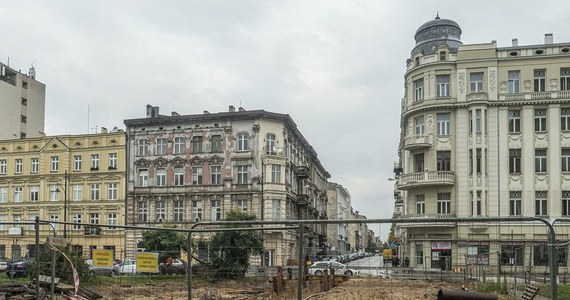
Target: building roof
[437,32]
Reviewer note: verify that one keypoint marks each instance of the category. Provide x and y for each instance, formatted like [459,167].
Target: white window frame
[178,213]
[539,80]
[112,220]
[197,209]
[35,165]
[142,178]
[442,86]
[420,204]
[419,89]
[112,191]
[276,209]
[275,173]
[77,162]
[34,193]
[143,147]
[179,145]
[160,210]
[242,172]
[419,125]
[113,160]
[443,124]
[53,194]
[160,177]
[242,205]
[444,203]
[3,167]
[215,210]
[3,194]
[179,176]
[541,203]
[242,142]
[197,144]
[161,146]
[94,192]
[77,192]
[514,121]
[540,120]
[476,82]
[216,175]
[54,166]
[94,162]
[540,161]
[197,175]
[18,193]
[514,82]
[76,218]
[19,166]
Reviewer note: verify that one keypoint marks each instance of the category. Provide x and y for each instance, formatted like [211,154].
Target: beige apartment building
[189,168]
[485,131]
[22,102]
[339,207]
[73,178]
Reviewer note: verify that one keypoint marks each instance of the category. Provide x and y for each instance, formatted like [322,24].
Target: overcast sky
[336,67]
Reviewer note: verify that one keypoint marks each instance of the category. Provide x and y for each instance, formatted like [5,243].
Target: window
[178,211]
[270,144]
[478,203]
[24,101]
[442,86]
[142,209]
[540,160]
[143,178]
[478,121]
[216,173]
[215,210]
[276,210]
[161,177]
[514,121]
[540,208]
[442,55]
[3,219]
[54,164]
[77,163]
[32,218]
[478,160]
[443,124]
[420,204]
[419,86]
[161,146]
[19,166]
[160,210]
[477,253]
[112,220]
[444,160]
[566,203]
[540,120]
[197,144]
[419,253]
[113,161]
[34,193]
[565,159]
[275,173]
[94,161]
[94,219]
[35,163]
[242,174]
[514,161]
[419,124]
[443,203]
[179,145]
[242,205]
[54,218]
[23,119]
[196,175]
[565,119]
[417,60]
[514,81]
[112,191]
[3,194]
[515,204]
[476,82]
[53,191]
[196,208]
[143,147]
[178,176]
[3,166]
[565,79]
[242,142]
[76,218]
[18,193]
[539,80]
[216,143]
[77,192]
[94,191]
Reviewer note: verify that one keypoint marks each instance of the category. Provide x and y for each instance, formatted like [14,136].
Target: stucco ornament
[527,84]
[462,82]
[553,84]
[492,80]
[503,86]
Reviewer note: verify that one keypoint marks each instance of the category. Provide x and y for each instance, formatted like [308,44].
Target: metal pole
[52,284]
[37,247]
[301,263]
[189,266]
[65,205]
[553,264]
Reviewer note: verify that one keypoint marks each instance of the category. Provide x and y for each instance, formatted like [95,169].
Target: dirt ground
[354,288]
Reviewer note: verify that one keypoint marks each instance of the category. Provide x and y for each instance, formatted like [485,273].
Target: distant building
[22,102]
[485,131]
[38,176]
[189,168]
[339,207]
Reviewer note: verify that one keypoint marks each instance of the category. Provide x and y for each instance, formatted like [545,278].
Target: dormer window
[442,55]
[417,60]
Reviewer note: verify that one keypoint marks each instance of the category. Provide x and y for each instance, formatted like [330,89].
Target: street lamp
[64,203]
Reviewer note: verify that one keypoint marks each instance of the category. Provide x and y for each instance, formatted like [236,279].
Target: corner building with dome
[485,132]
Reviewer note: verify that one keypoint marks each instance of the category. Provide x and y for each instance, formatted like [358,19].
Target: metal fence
[538,260]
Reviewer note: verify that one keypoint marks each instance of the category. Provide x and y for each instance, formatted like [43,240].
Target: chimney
[548,38]
[241,108]
[155,111]
[206,112]
[232,108]
[104,129]
[149,111]
[515,42]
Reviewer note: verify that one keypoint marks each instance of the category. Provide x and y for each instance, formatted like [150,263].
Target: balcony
[302,199]
[534,95]
[302,172]
[428,216]
[417,141]
[420,179]
[92,230]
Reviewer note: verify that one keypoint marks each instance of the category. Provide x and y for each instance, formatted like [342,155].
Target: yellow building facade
[73,178]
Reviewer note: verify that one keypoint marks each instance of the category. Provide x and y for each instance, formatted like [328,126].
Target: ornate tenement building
[22,100]
[339,207]
[188,168]
[485,131]
[38,176]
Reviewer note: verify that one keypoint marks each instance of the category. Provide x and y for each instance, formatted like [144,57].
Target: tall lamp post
[64,204]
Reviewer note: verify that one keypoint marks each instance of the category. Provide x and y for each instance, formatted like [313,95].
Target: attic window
[442,55]
[4,149]
[514,53]
[113,141]
[95,143]
[19,148]
[54,146]
[417,60]
[538,51]
[35,147]
[78,144]
[565,50]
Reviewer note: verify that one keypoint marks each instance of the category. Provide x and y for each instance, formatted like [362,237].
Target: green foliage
[492,287]
[166,243]
[230,250]
[62,266]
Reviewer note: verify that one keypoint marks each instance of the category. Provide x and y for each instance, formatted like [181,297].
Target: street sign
[103,258]
[147,262]
[57,241]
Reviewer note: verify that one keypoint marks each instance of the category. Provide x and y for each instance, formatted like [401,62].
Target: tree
[62,266]
[230,250]
[167,243]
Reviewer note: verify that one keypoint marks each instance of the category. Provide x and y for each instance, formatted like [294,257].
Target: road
[370,265]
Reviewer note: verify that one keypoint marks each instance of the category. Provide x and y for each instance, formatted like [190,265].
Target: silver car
[108,271]
[318,268]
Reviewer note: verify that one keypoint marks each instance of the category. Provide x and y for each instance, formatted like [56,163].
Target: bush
[492,287]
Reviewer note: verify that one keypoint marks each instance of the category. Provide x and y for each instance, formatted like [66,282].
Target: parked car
[108,271]
[127,267]
[175,267]
[18,268]
[4,264]
[318,268]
